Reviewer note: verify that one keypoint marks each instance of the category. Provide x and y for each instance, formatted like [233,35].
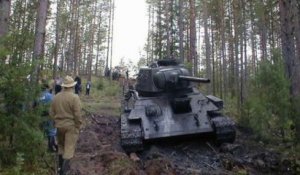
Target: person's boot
[65,167]
[60,164]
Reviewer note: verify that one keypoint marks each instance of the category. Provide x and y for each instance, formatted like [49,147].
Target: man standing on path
[66,112]
[88,88]
[78,85]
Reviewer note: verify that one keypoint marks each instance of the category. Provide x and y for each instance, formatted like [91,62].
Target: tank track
[131,135]
[224,129]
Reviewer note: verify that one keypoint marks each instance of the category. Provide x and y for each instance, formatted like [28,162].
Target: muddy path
[99,152]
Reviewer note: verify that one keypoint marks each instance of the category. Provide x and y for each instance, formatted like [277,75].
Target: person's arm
[77,113]
[52,111]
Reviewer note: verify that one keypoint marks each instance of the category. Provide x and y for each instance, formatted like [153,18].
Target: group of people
[65,121]
[55,86]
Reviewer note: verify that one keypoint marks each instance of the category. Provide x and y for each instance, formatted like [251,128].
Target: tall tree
[193,37]
[181,28]
[288,47]
[167,26]
[292,64]
[207,45]
[4,16]
[91,41]
[40,37]
[108,35]
[112,35]
[57,36]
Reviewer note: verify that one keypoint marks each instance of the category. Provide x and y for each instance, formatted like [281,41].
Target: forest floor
[99,151]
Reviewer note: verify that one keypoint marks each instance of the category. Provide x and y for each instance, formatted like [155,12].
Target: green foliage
[267,110]
[21,139]
[100,84]
[231,107]
[112,89]
[107,87]
[19,163]
[189,65]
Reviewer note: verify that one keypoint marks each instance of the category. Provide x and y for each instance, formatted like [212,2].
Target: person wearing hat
[66,112]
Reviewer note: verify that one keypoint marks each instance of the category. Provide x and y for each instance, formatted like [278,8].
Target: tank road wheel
[224,129]
[131,134]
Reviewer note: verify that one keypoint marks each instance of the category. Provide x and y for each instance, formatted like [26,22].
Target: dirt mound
[99,152]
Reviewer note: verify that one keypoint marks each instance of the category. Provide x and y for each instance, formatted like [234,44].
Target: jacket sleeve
[77,113]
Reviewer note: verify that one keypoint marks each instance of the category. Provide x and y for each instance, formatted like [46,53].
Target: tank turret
[166,104]
[165,76]
[175,78]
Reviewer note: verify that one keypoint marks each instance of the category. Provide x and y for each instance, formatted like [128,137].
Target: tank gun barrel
[194,79]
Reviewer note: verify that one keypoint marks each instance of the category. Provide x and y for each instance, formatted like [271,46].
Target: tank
[165,103]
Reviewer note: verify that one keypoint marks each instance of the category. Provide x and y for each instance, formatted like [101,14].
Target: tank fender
[216,101]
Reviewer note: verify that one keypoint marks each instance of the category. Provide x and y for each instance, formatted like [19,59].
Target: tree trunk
[112,35]
[263,34]
[193,37]
[253,39]
[207,46]
[181,28]
[39,41]
[4,16]
[91,44]
[99,42]
[167,28]
[245,74]
[148,35]
[223,53]
[108,36]
[231,54]
[76,42]
[213,62]
[288,47]
[237,34]
[57,40]
[297,24]
[292,64]
[159,30]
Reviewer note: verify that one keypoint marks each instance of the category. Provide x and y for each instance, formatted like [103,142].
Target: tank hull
[168,123]
[158,118]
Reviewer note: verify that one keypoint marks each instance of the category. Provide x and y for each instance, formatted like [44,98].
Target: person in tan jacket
[66,113]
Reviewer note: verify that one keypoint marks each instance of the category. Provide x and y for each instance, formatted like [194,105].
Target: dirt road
[99,152]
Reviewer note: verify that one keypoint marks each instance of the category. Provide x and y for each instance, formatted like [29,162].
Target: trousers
[67,138]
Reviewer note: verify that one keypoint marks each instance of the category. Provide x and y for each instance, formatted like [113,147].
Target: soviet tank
[166,104]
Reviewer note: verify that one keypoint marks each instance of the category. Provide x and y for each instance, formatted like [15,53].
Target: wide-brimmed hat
[68,82]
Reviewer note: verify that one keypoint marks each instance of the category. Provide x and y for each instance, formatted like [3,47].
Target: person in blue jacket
[48,126]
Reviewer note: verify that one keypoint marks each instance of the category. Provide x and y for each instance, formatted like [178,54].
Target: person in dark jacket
[58,82]
[78,85]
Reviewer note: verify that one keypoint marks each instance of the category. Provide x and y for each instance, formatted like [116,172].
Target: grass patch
[121,166]
[104,98]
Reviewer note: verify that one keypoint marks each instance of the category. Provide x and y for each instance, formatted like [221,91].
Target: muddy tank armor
[166,104]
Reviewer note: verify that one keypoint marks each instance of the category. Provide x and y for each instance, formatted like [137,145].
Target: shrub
[21,139]
[100,84]
[268,107]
